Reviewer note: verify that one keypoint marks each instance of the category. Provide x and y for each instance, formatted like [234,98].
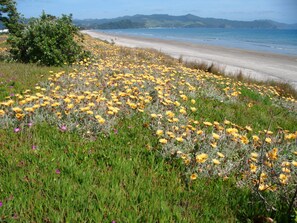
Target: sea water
[262,40]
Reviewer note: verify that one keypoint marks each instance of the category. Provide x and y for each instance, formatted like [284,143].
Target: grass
[17,77]
[118,171]
[115,178]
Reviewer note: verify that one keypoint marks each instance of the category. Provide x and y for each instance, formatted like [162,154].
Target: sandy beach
[257,65]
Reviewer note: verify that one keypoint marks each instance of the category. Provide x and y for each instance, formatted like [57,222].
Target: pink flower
[33,147]
[1,204]
[16,130]
[58,171]
[63,128]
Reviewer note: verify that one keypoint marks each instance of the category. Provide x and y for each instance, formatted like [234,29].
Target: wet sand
[257,65]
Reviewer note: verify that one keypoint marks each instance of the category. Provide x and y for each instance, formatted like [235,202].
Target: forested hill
[186,21]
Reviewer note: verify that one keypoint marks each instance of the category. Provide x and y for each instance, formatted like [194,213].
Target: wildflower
[254,155]
[17,110]
[58,171]
[194,176]
[207,123]
[19,116]
[294,163]
[253,168]
[1,203]
[34,147]
[226,122]
[255,138]
[193,109]
[193,101]
[16,130]
[283,178]
[244,140]
[163,141]
[268,140]
[215,136]
[199,132]
[2,112]
[201,158]
[63,128]
[159,132]
[213,145]
[221,155]
[179,139]
[249,128]
[272,155]
[216,162]
[170,114]
[286,170]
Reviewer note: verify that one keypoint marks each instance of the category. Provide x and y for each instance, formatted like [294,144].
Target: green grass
[115,177]
[17,77]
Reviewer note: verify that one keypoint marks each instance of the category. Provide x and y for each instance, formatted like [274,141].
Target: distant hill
[169,21]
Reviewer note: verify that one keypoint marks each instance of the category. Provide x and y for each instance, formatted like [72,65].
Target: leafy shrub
[47,41]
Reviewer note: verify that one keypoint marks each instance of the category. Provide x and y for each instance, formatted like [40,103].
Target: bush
[47,41]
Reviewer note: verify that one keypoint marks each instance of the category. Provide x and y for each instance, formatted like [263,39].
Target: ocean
[262,40]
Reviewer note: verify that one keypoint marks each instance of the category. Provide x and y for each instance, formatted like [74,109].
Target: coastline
[257,65]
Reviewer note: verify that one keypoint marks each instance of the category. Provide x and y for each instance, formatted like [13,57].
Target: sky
[245,10]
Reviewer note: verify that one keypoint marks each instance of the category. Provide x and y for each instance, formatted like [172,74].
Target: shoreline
[261,66]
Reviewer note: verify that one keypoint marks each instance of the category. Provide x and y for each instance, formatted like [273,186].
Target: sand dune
[257,65]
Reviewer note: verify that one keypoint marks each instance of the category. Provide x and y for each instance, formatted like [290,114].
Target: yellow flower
[17,110]
[193,101]
[213,145]
[226,122]
[207,123]
[231,130]
[254,155]
[19,116]
[193,109]
[159,132]
[201,158]
[249,128]
[216,162]
[2,112]
[253,168]
[255,138]
[199,132]
[163,141]
[221,155]
[268,140]
[183,111]
[194,176]
[179,139]
[283,178]
[244,140]
[286,170]
[294,163]
[170,114]
[154,116]
[272,155]
[215,136]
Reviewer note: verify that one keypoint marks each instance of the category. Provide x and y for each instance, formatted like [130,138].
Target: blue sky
[278,10]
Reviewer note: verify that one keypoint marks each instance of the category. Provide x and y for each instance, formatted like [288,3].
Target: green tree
[10,17]
[48,41]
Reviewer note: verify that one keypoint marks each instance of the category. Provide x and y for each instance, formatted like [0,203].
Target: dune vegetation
[132,135]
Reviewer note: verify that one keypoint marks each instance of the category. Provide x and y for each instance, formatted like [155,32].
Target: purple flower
[115,131]
[1,204]
[34,147]
[30,124]
[16,130]
[58,171]
[63,128]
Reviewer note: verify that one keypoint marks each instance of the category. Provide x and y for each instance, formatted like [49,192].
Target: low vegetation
[130,135]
